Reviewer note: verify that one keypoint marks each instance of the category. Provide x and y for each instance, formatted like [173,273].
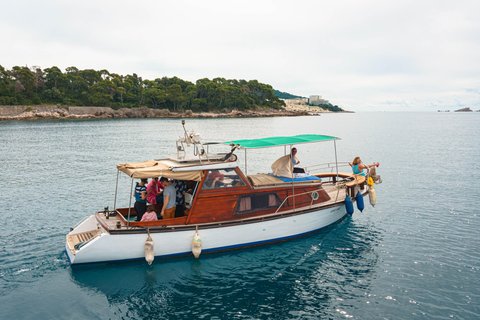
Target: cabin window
[223,178]
[256,202]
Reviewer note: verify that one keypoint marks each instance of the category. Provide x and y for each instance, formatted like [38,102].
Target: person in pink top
[150,215]
[155,192]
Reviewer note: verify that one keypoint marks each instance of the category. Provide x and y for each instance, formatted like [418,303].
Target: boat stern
[81,235]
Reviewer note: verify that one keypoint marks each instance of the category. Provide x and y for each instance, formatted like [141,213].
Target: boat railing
[79,245]
[78,223]
[329,166]
[313,196]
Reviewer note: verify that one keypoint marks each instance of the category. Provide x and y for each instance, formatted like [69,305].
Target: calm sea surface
[414,256]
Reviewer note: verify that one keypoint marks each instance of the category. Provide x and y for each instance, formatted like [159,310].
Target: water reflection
[303,277]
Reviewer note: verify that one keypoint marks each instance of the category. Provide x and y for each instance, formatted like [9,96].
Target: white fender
[149,254]
[196,245]
[372,196]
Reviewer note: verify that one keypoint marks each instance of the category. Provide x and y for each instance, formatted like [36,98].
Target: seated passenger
[150,215]
[214,180]
[217,178]
[295,161]
[358,166]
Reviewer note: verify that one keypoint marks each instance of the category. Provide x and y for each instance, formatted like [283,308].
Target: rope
[341,184]
[79,245]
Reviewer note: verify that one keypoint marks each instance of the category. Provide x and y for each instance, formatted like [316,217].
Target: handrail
[78,223]
[328,165]
[79,245]
[298,194]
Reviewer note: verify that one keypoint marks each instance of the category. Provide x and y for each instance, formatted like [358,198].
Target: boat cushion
[262,179]
[298,177]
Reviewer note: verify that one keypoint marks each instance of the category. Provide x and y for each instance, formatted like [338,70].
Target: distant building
[317,100]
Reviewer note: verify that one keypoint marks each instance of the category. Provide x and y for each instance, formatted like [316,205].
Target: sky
[361,55]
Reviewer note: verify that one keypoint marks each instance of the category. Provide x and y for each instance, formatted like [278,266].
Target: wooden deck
[113,222]
[336,194]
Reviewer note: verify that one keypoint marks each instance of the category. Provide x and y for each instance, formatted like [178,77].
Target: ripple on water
[412,256]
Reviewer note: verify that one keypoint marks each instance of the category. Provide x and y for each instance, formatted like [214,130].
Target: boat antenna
[187,138]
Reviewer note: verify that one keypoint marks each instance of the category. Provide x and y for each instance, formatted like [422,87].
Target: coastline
[73,112]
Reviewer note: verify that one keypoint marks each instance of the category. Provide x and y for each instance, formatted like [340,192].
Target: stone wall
[16,110]
[88,110]
[67,112]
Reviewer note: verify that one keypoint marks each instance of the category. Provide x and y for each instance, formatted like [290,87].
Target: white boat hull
[120,247]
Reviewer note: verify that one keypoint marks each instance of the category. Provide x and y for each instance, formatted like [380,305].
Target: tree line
[74,87]
[285,95]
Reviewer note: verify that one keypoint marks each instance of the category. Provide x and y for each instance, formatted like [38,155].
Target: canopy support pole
[293,177]
[116,189]
[130,205]
[246,173]
[336,161]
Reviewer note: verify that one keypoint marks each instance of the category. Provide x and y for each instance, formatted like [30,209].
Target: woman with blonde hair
[358,166]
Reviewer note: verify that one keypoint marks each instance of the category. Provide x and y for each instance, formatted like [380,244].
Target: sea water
[412,256]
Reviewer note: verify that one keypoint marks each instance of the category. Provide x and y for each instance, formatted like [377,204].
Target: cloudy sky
[361,55]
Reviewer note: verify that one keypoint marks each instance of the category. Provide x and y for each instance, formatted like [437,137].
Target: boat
[239,210]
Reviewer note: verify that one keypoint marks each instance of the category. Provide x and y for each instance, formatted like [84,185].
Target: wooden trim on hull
[211,225]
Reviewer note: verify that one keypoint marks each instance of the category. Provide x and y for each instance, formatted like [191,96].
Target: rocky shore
[70,112]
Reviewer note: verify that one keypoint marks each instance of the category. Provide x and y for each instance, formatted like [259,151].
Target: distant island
[464,110]
[42,89]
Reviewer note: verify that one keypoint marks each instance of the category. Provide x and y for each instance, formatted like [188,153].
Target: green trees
[5,87]
[23,85]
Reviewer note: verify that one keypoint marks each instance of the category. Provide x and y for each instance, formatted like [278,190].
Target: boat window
[256,202]
[222,178]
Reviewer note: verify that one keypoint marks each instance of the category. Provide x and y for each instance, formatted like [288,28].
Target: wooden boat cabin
[226,194]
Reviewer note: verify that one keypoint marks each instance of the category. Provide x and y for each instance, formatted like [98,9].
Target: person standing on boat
[154,192]
[358,166]
[169,199]
[141,198]
[295,161]
[180,188]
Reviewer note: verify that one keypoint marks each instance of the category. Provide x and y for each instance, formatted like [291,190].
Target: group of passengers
[164,195]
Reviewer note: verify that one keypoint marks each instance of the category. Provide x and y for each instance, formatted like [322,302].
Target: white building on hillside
[317,100]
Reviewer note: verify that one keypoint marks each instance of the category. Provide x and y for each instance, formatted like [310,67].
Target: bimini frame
[283,141]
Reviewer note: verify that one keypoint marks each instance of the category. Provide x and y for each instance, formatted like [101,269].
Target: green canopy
[280,141]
